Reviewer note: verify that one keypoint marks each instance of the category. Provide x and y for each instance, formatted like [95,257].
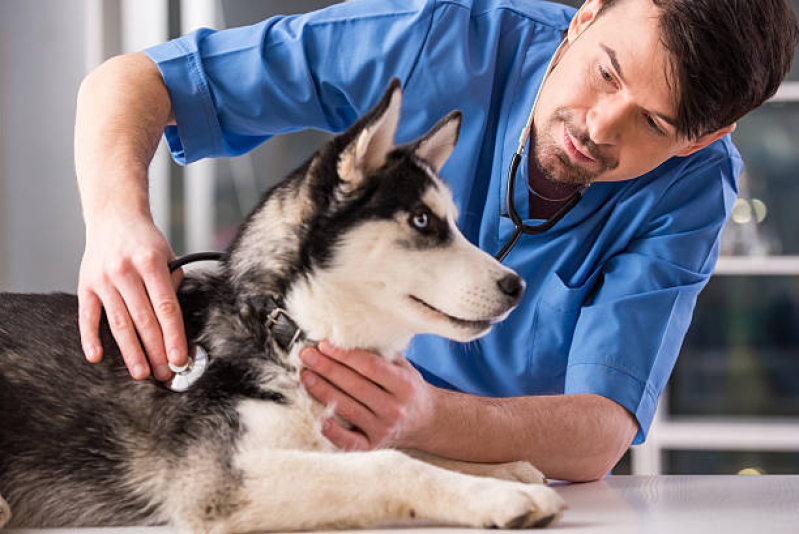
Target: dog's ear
[374,138]
[437,145]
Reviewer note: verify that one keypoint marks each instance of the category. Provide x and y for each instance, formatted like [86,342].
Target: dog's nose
[511,285]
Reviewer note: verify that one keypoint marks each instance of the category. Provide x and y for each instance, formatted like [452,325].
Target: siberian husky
[358,246]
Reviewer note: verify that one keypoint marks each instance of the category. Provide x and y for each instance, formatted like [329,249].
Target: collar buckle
[283,328]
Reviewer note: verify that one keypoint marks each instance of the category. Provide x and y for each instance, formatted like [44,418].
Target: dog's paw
[515,505]
[523,472]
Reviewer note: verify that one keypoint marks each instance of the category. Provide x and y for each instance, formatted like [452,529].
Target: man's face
[606,113]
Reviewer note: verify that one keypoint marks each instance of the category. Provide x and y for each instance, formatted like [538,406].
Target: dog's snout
[512,286]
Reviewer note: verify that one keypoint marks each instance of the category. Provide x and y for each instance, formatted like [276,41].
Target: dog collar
[273,315]
[277,320]
[283,328]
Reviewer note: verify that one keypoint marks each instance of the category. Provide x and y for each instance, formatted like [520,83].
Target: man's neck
[550,196]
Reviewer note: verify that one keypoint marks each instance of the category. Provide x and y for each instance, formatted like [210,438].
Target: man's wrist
[125,197]
[427,433]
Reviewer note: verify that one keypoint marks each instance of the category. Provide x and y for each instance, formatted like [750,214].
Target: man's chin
[561,172]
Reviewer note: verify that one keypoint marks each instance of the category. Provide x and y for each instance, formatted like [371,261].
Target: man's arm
[122,110]
[568,437]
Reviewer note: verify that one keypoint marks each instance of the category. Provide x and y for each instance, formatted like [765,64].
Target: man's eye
[605,74]
[653,125]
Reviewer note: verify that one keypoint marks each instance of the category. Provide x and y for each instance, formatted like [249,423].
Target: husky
[332,252]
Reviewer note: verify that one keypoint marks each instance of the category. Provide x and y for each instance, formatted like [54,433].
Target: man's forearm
[568,437]
[122,109]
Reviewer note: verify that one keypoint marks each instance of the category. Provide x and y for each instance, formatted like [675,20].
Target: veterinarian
[638,106]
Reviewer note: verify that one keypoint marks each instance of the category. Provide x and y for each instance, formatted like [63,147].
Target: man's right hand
[122,109]
[125,270]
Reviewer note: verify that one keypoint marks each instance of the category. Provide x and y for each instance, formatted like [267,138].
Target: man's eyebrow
[615,62]
[666,119]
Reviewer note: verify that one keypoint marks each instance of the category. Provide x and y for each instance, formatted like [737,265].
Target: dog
[358,246]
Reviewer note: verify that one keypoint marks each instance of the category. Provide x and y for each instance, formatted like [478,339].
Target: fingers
[347,407]
[161,288]
[132,291]
[121,326]
[89,311]
[378,414]
[348,440]
[377,369]
[345,378]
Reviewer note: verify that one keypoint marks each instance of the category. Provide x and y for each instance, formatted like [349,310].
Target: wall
[41,60]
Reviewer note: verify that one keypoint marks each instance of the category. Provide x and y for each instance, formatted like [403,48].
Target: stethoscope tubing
[519,226]
[191,258]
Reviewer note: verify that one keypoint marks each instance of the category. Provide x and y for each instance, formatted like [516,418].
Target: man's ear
[703,141]
[372,138]
[436,146]
[583,18]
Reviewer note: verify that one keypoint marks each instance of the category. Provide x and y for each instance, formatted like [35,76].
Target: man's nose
[606,120]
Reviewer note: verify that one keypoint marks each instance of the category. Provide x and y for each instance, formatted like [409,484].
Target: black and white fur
[361,246]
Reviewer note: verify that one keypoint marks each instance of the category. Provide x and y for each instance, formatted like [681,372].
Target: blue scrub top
[610,289]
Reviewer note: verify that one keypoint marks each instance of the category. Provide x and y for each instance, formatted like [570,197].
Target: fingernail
[309,379]
[174,356]
[139,371]
[91,352]
[162,372]
[308,356]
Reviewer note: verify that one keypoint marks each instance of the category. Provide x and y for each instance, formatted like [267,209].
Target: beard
[556,165]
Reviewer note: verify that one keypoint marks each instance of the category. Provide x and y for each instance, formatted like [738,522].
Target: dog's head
[383,257]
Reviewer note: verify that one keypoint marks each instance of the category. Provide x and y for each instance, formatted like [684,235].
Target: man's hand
[124,270]
[389,404]
[122,109]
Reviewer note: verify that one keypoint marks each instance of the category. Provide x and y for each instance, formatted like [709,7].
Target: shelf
[758,265]
[788,92]
[716,433]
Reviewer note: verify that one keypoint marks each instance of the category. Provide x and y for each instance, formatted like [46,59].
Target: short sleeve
[233,89]
[631,328]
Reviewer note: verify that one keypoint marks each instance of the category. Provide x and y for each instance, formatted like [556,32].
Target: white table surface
[635,504]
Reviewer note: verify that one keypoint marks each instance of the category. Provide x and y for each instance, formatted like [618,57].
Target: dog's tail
[5,512]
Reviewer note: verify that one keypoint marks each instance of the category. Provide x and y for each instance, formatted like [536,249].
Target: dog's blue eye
[420,219]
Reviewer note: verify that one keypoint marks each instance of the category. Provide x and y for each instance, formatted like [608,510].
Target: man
[638,105]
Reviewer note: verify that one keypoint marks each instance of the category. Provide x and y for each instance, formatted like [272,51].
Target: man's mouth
[571,148]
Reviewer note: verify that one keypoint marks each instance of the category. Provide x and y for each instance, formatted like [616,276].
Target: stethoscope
[188,374]
[518,223]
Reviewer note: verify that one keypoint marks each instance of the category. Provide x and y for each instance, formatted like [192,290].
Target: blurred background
[733,402]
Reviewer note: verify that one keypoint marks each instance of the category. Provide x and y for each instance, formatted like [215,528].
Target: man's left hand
[388,403]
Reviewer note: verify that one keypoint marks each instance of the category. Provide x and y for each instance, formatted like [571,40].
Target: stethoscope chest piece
[188,374]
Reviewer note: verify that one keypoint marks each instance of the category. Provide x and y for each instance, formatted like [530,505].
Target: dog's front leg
[520,471]
[295,490]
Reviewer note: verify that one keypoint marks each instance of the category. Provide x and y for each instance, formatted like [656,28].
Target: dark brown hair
[727,56]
